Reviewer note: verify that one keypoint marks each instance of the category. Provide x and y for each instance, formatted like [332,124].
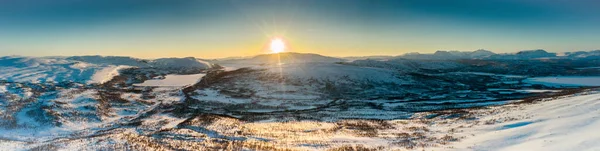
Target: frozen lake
[173,80]
[565,81]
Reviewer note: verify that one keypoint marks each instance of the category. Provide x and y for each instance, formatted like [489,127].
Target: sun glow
[277,45]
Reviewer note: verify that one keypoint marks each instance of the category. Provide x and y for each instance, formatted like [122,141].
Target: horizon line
[335,56]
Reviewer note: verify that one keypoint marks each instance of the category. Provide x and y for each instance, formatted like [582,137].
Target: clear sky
[225,28]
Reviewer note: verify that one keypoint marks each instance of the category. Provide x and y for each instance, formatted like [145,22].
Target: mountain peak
[539,53]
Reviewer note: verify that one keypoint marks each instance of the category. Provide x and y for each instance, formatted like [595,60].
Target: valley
[287,101]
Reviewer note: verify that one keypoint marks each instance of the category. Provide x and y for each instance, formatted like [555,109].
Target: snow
[190,62]
[166,121]
[337,72]
[215,96]
[565,81]
[131,97]
[491,74]
[85,69]
[407,65]
[168,95]
[524,90]
[3,89]
[278,58]
[173,80]
[164,63]
[10,145]
[106,74]
[564,124]
[588,68]
[41,70]
[109,60]
[537,91]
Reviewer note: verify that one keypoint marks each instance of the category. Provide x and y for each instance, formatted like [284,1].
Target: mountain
[526,54]
[481,54]
[584,54]
[277,59]
[55,70]
[449,55]
[111,60]
[529,54]
[16,61]
[408,65]
[287,57]
[189,62]
[90,69]
[163,63]
[368,58]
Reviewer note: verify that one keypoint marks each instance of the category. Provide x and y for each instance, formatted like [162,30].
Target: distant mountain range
[287,57]
[485,55]
[488,55]
[293,57]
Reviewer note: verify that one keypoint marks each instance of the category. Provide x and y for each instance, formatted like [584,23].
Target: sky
[232,28]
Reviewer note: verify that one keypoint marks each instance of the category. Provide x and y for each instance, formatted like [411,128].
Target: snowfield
[560,123]
[565,81]
[337,72]
[85,69]
[568,123]
[106,74]
[41,70]
[173,80]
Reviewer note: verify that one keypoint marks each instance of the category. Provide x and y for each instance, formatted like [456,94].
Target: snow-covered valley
[294,101]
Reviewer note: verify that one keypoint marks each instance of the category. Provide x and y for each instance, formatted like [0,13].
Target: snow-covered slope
[179,63]
[110,60]
[86,69]
[278,58]
[568,123]
[336,72]
[584,54]
[526,54]
[41,70]
[163,63]
[449,55]
[408,65]
[565,81]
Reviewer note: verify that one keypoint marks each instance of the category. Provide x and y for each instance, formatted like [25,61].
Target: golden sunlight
[277,45]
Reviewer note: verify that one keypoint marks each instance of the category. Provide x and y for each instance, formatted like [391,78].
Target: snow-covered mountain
[41,70]
[527,54]
[189,62]
[584,54]
[450,55]
[110,60]
[279,58]
[162,63]
[85,69]
[488,55]
[379,58]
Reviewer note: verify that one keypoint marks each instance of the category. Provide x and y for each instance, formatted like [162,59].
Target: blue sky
[222,28]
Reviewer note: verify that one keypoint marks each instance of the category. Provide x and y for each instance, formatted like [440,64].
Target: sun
[277,45]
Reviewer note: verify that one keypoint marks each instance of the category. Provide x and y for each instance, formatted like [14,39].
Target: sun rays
[277,45]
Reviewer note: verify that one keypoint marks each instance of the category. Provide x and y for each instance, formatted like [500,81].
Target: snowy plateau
[448,100]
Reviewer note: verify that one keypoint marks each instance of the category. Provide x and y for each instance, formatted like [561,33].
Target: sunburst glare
[277,45]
